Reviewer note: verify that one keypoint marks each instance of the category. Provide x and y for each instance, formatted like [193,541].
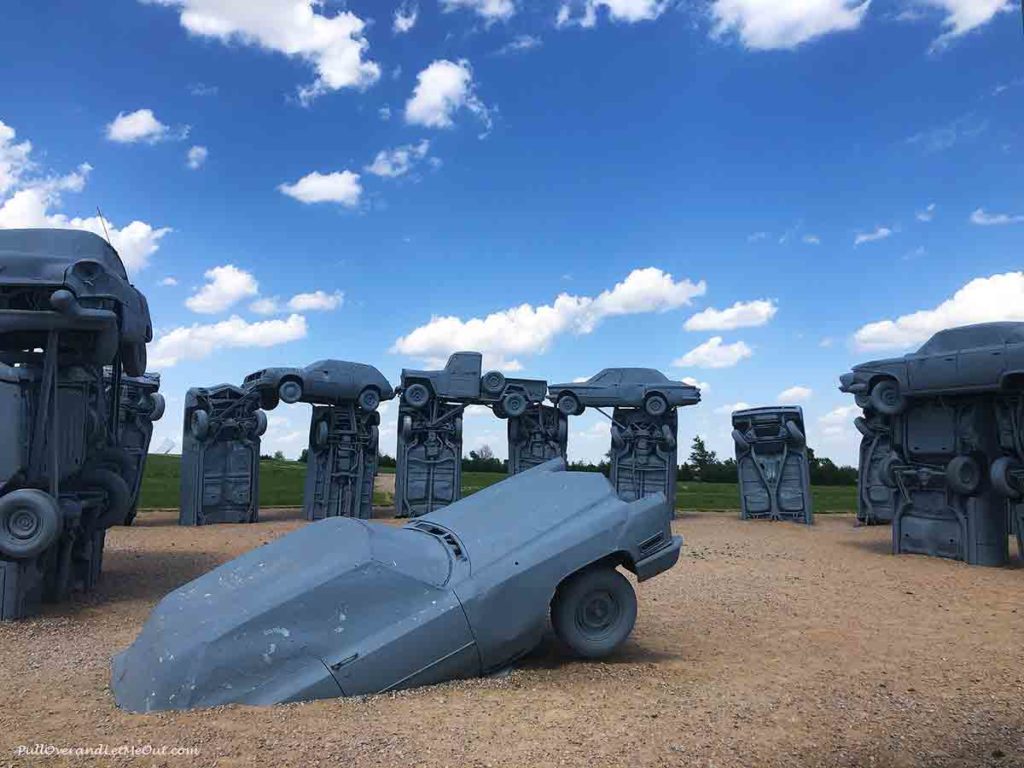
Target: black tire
[261,423]
[569,404]
[514,404]
[289,391]
[796,435]
[30,522]
[416,395]
[199,424]
[1001,476]
[562,433]
[655,405]
[740,440]
[862,401]
[369,399]
[963,473]
[863,427]
[887,469]
[269,399]
[133,358]
[492,382]
[887,398]
[157,406]
[119,496]
[321,432]
[594,611]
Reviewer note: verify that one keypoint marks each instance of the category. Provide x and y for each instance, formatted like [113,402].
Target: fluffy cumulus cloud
[795,394]
[714,353]
[520,43]
[334,46]
[317,301]
[443,89]
[585,13]
[404,18]
[133,127]
[527,329]
[196,156]
[491,10]
[836,426]
[982,300]
[340,187]
[773,24]
[742,314]
[963,16]
[727,408]
[879,233]
[984,219]
[703,386]
[391,163]
[225,286]
[30,200]
[199,341]
[926,214]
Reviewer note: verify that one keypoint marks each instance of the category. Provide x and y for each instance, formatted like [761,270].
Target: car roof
[634,374]
[978,335]
[50,246]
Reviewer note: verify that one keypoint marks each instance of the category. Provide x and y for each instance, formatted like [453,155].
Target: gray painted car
[346,607]
[972,358]
[624,388]
[325,382]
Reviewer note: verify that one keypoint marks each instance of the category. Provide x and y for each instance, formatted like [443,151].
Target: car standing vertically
[624,388]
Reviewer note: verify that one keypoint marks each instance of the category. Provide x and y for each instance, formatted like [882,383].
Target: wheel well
[1013,380]
[289,377]
[880,377]
[657,392]
[611,560]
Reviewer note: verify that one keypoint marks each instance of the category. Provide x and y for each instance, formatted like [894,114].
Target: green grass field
[281,484]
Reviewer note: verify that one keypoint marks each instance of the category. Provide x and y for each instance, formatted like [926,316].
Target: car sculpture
[325,382]
[969,359]
[347,607]
[624,388]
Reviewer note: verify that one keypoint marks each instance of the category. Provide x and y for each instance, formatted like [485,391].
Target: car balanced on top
[624,388]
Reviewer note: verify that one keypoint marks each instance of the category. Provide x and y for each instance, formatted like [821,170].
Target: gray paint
[539,435]
[140,405]
[325,382]
[644,455]
[346,607]
[67,311]
[771,460]
[220,456]
[623,388]
[341,462]
[876,500]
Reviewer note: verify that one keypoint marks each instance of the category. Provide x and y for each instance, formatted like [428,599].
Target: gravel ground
[769,644]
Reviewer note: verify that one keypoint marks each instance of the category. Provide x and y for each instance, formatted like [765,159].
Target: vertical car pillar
[220,456]
[428,472]
[341,462]
[539,435]
[876,499]
[140,405]
[644,457]
[772,463]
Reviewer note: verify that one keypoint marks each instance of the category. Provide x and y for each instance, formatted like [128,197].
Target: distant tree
[483,460]
[279,455]
[702,458]
[304,456]
[386,461]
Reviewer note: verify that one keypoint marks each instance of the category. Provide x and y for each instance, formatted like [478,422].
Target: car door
[631,389]
[982,366]
[935,371]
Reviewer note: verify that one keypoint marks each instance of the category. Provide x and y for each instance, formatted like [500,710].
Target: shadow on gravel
[550,654]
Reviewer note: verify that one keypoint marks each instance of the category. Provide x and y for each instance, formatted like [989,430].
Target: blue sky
[562,186]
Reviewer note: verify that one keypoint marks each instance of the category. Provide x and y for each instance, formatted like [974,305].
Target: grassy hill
[281,484]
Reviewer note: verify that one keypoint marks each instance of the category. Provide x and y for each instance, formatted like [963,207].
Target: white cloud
[491,10]
[528,329]
[837,424]
[742,314]
[774,24]
[713,353]
[519,44]
[384,113]
[728,408]
[826,342]
[584,14]
[169,281]
[391,163]
[811,240]
[963,16]
[983,219]
[197,341]
[442,89]
[880,233]
[938,139]
[756,237]
[334,46]
[266,305]
[404,18]
[340,187]
[982,300]
[226,285]
[927,214]
[795,394]
[140,125]
[31,202]
[317,301]
[703,386]
[196,157]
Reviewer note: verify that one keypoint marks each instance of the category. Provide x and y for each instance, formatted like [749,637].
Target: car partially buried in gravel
[624,388]
[325,382]
[346,607]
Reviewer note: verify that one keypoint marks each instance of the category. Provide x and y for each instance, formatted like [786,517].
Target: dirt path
[770,644]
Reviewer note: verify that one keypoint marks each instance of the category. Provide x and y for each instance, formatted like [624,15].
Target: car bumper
[851,384]
[659,561]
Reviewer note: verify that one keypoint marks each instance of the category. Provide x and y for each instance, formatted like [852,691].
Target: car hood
[44,255]
[263,628]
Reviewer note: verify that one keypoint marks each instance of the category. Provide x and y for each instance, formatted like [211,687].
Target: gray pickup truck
[461,381]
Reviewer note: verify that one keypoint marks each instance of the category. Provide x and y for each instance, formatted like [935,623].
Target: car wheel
[594,611]
[157,407]
[320,433]
[886,397]
[514,404]
[887,469]
[269,399]
[115,459]
[796,435]
[562,433]
[740,440]
[369,399]
[261,423]
[862,401]
[863,427]
[30,521]
[963,473]
[569,404]
[655,405]
[416,395]
[133,359]
[199,424]
[119,497]
[493,382]
[1002,472]
[290,391]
